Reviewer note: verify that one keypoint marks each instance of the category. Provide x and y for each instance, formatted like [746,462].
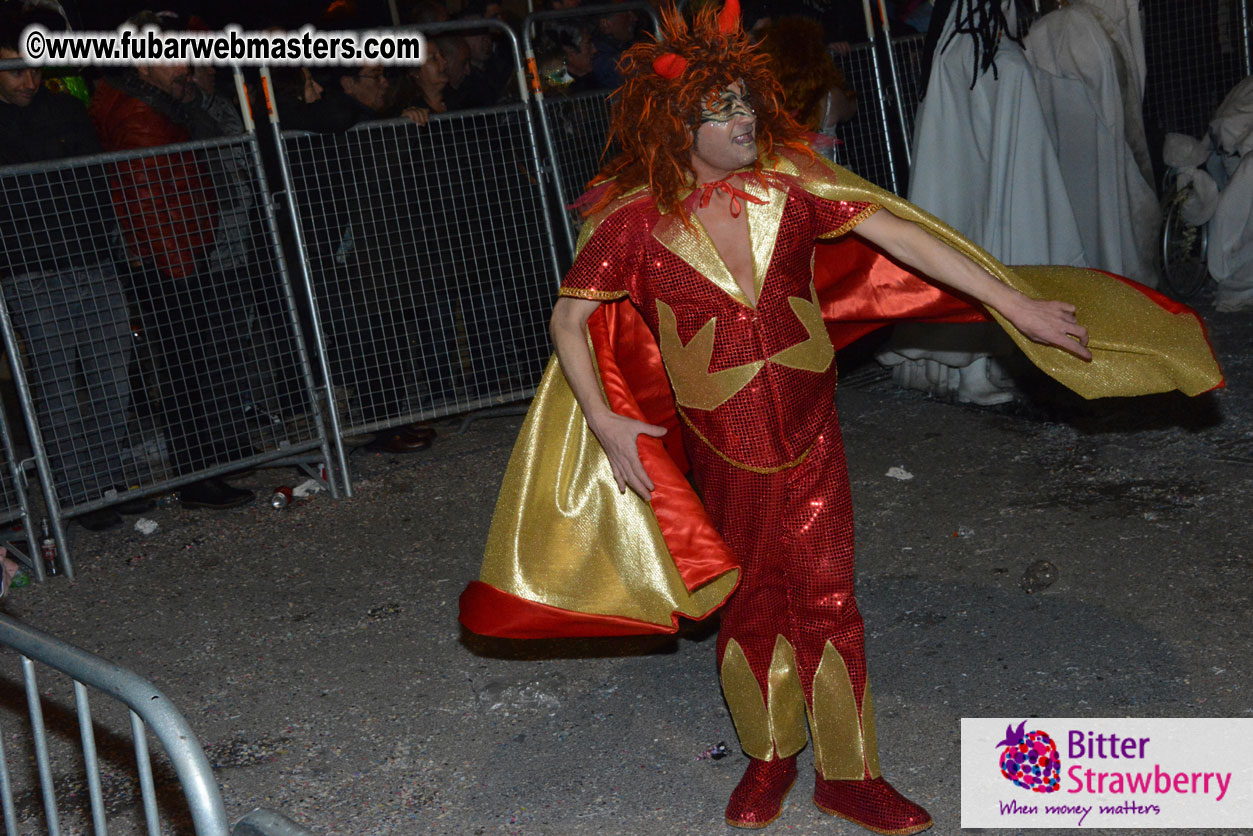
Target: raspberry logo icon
[1030,759]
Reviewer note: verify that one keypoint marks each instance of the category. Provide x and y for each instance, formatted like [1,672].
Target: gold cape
[568,555]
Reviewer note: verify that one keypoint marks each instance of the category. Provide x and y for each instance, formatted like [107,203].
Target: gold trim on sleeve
[598,295]
[848,225]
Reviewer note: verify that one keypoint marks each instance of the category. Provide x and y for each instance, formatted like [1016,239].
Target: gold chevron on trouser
[845,746]
[770,726]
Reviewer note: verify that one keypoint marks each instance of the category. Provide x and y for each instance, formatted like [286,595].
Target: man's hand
[1050,323]
[618,435]
[417,115]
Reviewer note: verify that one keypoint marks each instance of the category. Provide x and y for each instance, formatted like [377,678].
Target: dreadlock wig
[984,21]
[657,110]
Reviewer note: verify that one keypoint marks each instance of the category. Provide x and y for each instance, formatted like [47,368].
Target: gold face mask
[724,106]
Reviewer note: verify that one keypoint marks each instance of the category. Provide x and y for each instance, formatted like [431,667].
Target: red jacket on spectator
[165,204]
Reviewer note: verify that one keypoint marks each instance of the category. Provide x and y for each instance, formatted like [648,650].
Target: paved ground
[316,650]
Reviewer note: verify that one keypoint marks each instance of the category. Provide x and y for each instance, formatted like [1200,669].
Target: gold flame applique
[845,744]
[774,725]
[688,365]
[815,353]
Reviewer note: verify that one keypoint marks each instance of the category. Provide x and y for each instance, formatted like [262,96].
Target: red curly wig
[654,117]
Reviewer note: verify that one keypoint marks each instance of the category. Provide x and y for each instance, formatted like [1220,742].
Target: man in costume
[690,335]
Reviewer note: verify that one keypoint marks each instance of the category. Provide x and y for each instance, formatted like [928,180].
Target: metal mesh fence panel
[577,127]
[865,148]
[430,263]
[154,326]
[908,54]
[12,498]
[1194,53]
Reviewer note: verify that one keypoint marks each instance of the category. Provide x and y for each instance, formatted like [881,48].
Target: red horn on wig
[671,65]
[729,17]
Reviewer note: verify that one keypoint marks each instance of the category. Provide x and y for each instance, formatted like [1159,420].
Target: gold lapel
[763,226]
[694,246]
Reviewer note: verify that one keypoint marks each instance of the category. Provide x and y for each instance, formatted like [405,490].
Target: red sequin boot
[758,798]
[872,803]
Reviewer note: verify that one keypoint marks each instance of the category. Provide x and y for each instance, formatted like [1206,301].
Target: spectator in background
[240,259]
[614,33]
[843,21]
[814,90]
[424,11]
[572,45]
[167,205]
[346,95]
[491,64]
[51,15]
[422,87]
[62,288]
[458,95]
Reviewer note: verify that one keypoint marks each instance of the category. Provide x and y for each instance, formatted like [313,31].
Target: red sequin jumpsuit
[768,461]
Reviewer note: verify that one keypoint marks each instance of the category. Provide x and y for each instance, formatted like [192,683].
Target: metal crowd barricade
[907,55]
[575,127]
[16,534]
[866,146]
[150,325]
[33,773]
[428,253]
[1195,52]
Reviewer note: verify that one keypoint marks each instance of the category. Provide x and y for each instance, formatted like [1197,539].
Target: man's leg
[211,411]
[224,375]
[755,662]
[181,320]
[829,641]
[792,640]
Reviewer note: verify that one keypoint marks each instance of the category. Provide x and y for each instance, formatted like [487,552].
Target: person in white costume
[1090,79]
[1037,154]
[984,159]
[1230,254]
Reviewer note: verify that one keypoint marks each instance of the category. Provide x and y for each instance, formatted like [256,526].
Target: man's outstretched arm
[1043,321]
[616,433]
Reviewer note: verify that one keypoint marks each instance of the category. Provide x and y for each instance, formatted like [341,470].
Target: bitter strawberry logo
[1030,759]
